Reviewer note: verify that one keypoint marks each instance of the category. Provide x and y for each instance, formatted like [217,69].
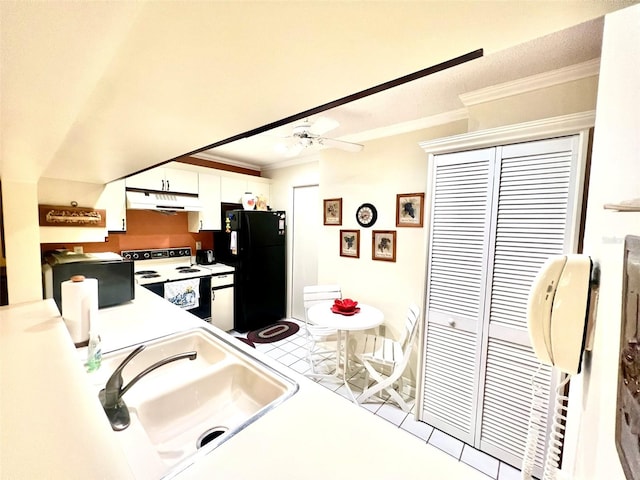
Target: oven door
[203,309]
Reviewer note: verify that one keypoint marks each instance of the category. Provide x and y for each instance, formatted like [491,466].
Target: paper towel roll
[79,307]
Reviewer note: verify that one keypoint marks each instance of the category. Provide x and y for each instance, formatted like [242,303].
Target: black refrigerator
[257,249]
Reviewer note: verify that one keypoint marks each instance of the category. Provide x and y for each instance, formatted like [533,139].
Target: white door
[497,213]
[307,222]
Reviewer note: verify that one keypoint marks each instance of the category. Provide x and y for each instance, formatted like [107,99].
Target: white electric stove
[171,274]
[164,265]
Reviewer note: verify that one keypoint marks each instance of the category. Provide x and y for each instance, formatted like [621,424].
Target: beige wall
[385,168]
[22,240]
[615,176]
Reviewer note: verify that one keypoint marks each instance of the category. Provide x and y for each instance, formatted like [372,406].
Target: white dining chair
[384,360]
[321,341]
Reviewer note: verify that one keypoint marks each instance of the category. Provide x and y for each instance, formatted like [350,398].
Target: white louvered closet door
[530,216]
[459,244]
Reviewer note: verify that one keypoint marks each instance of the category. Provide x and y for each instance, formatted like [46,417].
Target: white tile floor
[292,352]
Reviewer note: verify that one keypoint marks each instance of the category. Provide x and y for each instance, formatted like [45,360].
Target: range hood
[172,202]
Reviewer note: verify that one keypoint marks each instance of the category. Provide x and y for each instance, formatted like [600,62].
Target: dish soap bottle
[94,354]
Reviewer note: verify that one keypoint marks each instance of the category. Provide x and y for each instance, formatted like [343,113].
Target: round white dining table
[367,317]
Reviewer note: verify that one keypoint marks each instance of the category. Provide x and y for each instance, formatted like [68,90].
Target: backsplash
[145,230]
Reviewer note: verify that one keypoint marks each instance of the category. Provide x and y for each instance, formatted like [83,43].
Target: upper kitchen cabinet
[165,179]
[209,194]
[233,187]
[114,201]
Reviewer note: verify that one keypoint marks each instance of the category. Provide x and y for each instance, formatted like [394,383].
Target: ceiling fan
[310,134]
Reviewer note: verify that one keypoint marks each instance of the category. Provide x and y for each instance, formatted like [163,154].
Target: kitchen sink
[186,409]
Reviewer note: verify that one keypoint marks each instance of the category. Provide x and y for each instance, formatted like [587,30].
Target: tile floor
[292,353]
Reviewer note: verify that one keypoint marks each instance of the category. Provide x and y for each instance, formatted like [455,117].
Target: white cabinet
[165,180]
[113,200]
[209,195]
[259,188]
[232,188]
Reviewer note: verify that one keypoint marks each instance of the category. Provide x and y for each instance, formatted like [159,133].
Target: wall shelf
[624,206]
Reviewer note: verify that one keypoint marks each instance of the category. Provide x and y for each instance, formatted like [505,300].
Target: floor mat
[274,332]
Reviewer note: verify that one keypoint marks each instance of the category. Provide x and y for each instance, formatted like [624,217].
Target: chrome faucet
[111,395]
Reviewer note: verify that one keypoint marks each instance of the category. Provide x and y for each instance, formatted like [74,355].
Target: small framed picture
[409,209]
[333,211]
[383,245]
[350,243]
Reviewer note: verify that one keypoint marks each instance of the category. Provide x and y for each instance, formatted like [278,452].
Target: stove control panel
[156,253]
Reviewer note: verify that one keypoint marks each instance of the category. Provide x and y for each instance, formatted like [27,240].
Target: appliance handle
[248,259]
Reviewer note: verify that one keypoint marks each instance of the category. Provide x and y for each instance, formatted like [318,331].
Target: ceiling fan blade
[322,125]
[294,150]
[342,145]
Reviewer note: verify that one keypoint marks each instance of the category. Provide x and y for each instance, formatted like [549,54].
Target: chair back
[411,328]
[314,294]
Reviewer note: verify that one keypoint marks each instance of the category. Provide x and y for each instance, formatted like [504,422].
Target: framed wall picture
[350,243]
[409,209]
[333,211]
[383,245]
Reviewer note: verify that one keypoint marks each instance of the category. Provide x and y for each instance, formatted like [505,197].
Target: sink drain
[210,435]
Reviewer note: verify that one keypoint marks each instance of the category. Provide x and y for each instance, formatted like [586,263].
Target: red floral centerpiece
[345,306]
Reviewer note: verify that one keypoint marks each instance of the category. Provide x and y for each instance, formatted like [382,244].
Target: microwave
[115,275]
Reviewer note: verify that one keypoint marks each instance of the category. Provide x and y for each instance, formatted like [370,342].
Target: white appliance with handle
[222,301]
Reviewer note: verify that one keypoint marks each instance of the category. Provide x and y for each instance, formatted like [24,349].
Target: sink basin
[186,409]
[227,396]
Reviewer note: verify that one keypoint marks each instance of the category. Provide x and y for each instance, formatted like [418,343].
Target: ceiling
[94,91]
[419,102]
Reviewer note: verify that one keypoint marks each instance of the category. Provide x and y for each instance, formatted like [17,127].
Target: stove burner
[146,272]
[182,268]
[151,275]
[188,270]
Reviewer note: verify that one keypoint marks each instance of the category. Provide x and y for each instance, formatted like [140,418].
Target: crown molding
[227,161]
[534,82]
[521,132]
[315,157]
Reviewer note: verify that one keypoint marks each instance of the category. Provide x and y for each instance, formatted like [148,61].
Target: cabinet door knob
[163,185]
[123,228]
[452,324]
[168,187]
[213,295]
[200,224]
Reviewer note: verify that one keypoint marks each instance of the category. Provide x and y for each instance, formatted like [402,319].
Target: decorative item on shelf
[261,203]
[73,216]
[248,201]
[409,209]
[624,206]
[383,245]
[366,215]
[350,243]
[332,208]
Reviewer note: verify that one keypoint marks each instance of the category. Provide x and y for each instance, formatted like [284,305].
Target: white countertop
[52,424]
[218,268]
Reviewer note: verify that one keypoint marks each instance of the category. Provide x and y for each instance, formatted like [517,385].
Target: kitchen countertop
[52,424]
[218,268]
